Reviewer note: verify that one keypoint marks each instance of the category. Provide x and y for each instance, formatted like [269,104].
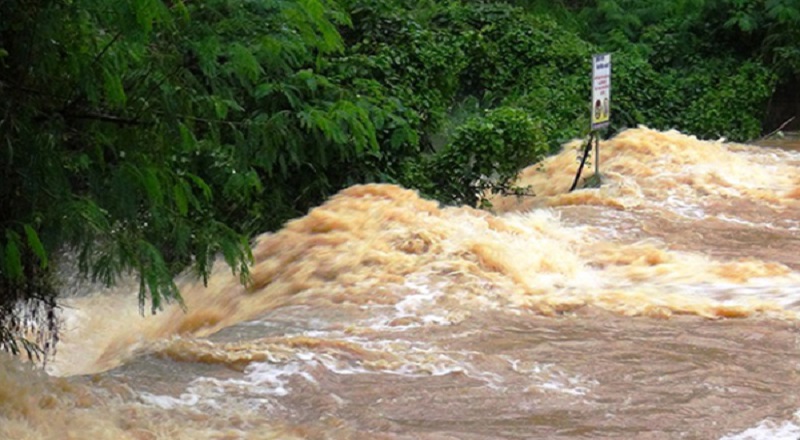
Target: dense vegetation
[146,136]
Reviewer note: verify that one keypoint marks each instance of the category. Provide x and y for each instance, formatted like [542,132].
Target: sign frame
[601,91]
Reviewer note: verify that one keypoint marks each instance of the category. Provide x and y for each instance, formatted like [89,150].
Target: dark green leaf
[36,245]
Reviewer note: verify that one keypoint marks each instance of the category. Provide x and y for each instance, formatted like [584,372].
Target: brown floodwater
[662,305]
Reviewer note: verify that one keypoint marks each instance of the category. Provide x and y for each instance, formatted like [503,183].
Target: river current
[662,305]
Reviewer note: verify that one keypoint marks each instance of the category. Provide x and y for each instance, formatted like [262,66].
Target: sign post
[601,113]
[601,99]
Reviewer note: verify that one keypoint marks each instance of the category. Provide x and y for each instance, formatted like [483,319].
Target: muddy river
[662,305]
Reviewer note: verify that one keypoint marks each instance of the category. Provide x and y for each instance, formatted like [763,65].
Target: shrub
[485,156]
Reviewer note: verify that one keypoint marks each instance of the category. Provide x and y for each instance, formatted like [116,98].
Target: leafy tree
[145,135]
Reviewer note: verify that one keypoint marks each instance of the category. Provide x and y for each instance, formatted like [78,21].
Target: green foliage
[693,61]
[691,99]
[147,136]
[730,106]
[396,47]
[440,58]
[484,157]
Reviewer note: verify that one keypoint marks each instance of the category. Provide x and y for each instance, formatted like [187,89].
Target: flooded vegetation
[353,219]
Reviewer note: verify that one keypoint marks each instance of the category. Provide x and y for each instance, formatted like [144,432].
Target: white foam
[411,359]
[411,304]
[680,206]
[769,430]
[760,225]
[785,293]
[419,305]
[271,379]
[334,365]
[548,377]
[262,381]
[169,402]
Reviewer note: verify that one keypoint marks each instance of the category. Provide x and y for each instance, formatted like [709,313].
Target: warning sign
[601,91]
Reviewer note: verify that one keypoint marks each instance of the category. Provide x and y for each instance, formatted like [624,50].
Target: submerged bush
[484,157]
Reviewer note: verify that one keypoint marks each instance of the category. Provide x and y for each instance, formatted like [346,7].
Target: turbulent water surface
[663,305]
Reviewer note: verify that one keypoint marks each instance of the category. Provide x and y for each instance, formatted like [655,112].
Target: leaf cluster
[708,67]
[484,157]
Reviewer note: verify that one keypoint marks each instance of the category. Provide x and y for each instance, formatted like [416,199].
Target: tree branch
[105,118]
[74,101]
[28,90]
[105,48]
[135,121]
[788,121]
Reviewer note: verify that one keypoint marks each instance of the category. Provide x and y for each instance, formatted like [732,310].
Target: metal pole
[586,152]
[597,156]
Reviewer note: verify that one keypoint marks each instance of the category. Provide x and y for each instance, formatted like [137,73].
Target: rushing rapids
[663,304]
